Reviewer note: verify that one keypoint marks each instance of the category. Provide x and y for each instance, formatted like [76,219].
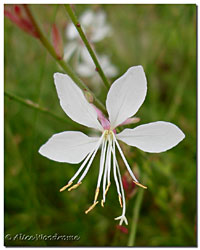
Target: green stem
[136,211]
[61,62]
[87,44]
[35,106]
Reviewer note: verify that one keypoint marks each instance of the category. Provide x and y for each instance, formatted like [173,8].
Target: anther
[102,203]
[120,201]
[96,194]
[140,185]
[66,186]
[107,188]
[74,186]
[91,207]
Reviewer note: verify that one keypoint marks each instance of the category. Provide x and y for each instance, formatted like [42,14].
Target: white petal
[100,18]
[71,32]
[126,95]
[101,29]
[85,70]
[74,102]
[87,18]
[153,137]
[70,146]
[70,48]
[109,69]
[85,56]
[100,33]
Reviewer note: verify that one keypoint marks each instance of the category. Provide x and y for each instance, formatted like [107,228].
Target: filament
[122,189]
[109,164]
[102,161]
[106,171]
[114,170]
[125,161]
[82,166]
[91,159]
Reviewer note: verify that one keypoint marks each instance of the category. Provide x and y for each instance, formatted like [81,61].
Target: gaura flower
[94,26]
[124,98]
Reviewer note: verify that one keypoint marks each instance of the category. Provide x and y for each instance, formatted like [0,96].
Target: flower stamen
[91,159]
[66,186]
[140,185]
[114,170]
[107,187]
[91,207]
[120,201]
[82,166]
[125,161]
[96,194]
[106,169]
[102,162]
[75,186]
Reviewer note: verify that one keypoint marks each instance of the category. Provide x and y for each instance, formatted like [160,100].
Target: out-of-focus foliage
[162,38]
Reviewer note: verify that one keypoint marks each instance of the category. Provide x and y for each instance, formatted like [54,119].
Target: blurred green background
[162,38]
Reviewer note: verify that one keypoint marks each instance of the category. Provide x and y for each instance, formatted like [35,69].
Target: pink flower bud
[23,23]
[57,42]
[17,10]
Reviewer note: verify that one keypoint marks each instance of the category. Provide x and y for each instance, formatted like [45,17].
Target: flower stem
[35,106]
[61,62]
[136,211]
[87,44]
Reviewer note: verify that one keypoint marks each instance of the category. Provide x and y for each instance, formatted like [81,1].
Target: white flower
[94,26]
[124,98]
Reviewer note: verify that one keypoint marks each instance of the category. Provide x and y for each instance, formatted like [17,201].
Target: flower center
[108,135]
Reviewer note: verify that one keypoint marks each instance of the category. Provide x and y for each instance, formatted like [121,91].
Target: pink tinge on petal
[104,122]
[130,121]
